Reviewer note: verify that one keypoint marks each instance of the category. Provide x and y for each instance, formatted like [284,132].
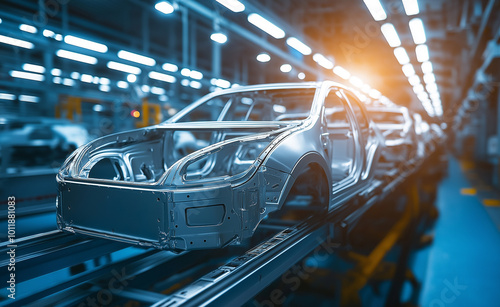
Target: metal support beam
[249,36]
[185,37]
[145,31]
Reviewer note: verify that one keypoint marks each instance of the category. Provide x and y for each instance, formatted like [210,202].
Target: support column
[185,37]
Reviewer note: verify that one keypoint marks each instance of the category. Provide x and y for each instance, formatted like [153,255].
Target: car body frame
[212,191]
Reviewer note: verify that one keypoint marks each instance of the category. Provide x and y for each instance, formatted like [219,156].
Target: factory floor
[461,267]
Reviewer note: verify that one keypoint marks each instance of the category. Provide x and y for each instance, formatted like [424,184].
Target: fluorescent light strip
[6,96]
[356,81]
[427,67]
[220,83]
[86,78]
[414,80]
[124,67]
[122,84]
[170,67]
[417,31]
[390,35]
[263,57]
[161,77]
[401,55]
[322,61]
[375,94]
[76,56]
[411,7]
[286,68]
[104,88]
[376,9]
[16,42]
[165,7]
[298,45]
[422,53]
[56,72]
[429,78]
[419,88]
[157,90]
[84,43]
[218,37]
[195,84]
[34,68]
[26,75]
[341,72]
[28,98]
[186,72]
[432,88]
[133,57]
[233,5]
[266,26]
[408,70]
[68,82]
[27,28]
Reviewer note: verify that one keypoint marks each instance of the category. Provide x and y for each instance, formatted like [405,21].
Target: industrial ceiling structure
[413,54]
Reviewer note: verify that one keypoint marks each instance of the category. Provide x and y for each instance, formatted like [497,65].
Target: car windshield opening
[259,105]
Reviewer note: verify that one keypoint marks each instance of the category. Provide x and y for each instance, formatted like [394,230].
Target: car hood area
[175,153]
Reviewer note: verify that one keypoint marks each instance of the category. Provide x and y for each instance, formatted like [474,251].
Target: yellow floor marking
[491,202]
[468,191]
[466,165]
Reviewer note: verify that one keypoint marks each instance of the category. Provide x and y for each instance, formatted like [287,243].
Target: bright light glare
[375,94]
[122,84]
[133,57]
[298,45]
[84,43]
[34,68]
[48,33]
[414,80]
[131,78]
[29,98]
[408,70]
[429,78]
[87,78]
[390,35]
[104,88]
[76,56]
[301,75]
[322,61]
[431,88]
[220,83]
[218,37]
[341,72]
[162,77]
[26,75]
[68,82]
[75,75]
[411,7]
[266,26]
[196,75]
[422,53]
[5,96]
[419,88]
[170,67]
[165,7]
[356,81]
[233,5]
[56,72]
[123,67]
[401,55]
[16,42]
[157,90]
[427,67]
[27,28]
[286,68]
[195,84]
[376,9]
[263,57]
[417,31]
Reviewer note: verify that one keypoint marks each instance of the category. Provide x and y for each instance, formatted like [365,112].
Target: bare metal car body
[205,180]
[397,127]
